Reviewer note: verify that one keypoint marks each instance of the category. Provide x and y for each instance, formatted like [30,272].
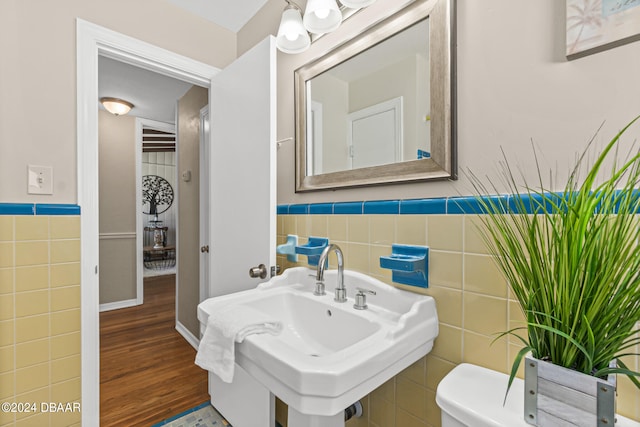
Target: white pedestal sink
[329,354]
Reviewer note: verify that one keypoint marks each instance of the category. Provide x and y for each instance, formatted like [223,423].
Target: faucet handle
[319,290]
[361,298]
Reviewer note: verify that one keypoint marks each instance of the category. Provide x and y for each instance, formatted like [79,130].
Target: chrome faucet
[341,291]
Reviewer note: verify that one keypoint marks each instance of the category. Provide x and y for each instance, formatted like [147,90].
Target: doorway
[147,214]
[94,41]
[141,238]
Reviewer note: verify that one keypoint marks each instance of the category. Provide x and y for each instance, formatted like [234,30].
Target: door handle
[204,249]
[259,271]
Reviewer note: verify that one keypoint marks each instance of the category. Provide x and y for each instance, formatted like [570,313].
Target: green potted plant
[572,261]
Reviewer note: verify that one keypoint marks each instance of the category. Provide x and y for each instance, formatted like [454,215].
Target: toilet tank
[472,396]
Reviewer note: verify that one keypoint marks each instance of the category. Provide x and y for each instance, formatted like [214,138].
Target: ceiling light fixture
[116,106]
[320,17]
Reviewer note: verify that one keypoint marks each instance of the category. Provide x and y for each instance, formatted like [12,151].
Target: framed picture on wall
[597,25]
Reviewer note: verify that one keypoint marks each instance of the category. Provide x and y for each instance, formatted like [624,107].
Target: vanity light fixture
[320,17]
[116,106]
[292,36]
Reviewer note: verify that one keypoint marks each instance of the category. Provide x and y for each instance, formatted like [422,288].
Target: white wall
[38,77]
[333,94]
[514,85]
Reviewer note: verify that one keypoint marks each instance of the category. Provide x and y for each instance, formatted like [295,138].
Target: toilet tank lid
[474,395]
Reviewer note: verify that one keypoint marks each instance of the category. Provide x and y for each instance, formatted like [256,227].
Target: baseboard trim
[187,335]
[118,304]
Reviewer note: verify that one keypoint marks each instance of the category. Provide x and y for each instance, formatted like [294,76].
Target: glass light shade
[357,4]
[292,36]
[322,16]
[115,106]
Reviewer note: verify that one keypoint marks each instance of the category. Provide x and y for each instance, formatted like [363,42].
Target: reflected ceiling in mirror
[378,109]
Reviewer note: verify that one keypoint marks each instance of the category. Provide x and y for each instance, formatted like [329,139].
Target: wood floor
[147,373]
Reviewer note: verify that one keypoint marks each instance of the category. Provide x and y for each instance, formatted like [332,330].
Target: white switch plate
[40,179]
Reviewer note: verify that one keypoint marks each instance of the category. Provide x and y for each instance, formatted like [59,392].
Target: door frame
[205,203]
[92,41]
[315,139]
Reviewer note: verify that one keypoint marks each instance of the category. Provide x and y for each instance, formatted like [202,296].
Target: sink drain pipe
[352,411]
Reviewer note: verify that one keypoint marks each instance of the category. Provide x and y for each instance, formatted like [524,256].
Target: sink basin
[329,354]
[311,328]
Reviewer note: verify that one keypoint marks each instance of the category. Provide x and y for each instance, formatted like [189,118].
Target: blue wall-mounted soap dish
[409,264]
[312,249]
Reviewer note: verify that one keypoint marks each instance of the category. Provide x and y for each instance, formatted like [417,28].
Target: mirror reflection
[373,109]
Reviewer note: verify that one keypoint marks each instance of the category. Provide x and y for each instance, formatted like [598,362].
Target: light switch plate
[39,179]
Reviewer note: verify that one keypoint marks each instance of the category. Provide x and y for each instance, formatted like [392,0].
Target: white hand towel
[234,323]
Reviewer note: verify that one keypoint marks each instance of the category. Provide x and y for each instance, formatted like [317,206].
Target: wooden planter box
[556,396]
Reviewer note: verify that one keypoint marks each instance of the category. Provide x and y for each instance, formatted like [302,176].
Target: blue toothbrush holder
[312,249]
[409,265]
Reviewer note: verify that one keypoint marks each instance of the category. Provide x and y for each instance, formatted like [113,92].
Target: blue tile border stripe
[382,207]
[321,208]
[471,205]
[423,206]
[38,209]
[348,208]
[298,209]
[379,207]
[17,209]
[48,209]
[461,205]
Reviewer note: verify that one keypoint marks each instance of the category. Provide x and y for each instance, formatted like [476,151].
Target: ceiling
[153,95]
[230,14]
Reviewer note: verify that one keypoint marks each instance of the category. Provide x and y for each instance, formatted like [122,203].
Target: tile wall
[39,312]
[472,298]
[40,303]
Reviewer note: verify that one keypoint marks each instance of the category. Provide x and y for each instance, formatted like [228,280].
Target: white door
[375,134]
[243,170]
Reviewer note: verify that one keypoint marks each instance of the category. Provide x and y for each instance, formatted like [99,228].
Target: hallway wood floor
[147,370]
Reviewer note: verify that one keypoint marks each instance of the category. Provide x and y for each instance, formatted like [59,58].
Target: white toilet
[472,396]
